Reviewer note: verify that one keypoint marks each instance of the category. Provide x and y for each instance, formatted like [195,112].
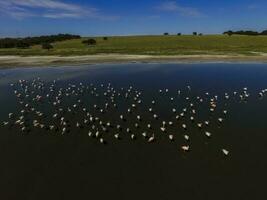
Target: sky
[19,18]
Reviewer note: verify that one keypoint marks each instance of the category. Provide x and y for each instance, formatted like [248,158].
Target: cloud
[61,15]
[54,9]
[172,6]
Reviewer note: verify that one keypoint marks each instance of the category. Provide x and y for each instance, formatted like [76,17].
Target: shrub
[89,42]
[29,41]
[23,45]
[47,46]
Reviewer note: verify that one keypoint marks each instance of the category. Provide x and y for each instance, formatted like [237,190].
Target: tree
[47,46]
[8,43]
[105,38]
[89,42]
[229,33]
[179,34]
[29,41]
[200,34]
[166,34]
[251,33]
[23,45]
[194,33]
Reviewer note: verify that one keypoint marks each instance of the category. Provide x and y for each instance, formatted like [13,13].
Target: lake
[222,105]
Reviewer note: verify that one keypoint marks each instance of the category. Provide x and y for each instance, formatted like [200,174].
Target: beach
[38,61]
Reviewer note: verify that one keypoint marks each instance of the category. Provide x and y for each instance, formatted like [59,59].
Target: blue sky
[129,17]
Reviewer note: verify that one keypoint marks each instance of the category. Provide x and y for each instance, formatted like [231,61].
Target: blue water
[43,164]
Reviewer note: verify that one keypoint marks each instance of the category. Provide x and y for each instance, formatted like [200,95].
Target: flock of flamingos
[107,113]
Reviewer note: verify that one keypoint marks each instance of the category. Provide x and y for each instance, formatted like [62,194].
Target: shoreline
[40,61]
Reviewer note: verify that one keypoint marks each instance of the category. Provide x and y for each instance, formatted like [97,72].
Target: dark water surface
[43,164]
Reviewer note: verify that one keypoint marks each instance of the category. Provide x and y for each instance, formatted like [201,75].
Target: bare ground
[32,61]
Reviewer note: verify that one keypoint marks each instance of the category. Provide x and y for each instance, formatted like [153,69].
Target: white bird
[208,134]
[118,127]
[171,137]
[151,139]
[117,136]
[186,137]
[225,152]
[199,125]
[144,134]
[97,133]
[101,140]
[132,136]
[185,148]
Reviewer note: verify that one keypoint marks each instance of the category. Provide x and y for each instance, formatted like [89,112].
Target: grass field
[155,45]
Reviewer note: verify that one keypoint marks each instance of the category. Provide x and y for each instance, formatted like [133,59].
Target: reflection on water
[181,131]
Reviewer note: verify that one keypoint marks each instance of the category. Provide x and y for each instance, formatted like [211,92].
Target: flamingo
[151,139]
[171,137]
[225,152]
[208,134]
[186,137]
[185,148]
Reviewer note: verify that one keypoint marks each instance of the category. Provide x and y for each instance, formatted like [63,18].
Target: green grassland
[154,45]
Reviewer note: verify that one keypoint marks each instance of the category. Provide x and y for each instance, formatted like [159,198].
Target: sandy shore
[31,61]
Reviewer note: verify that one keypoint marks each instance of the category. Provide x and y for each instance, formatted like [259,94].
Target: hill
[152,45]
